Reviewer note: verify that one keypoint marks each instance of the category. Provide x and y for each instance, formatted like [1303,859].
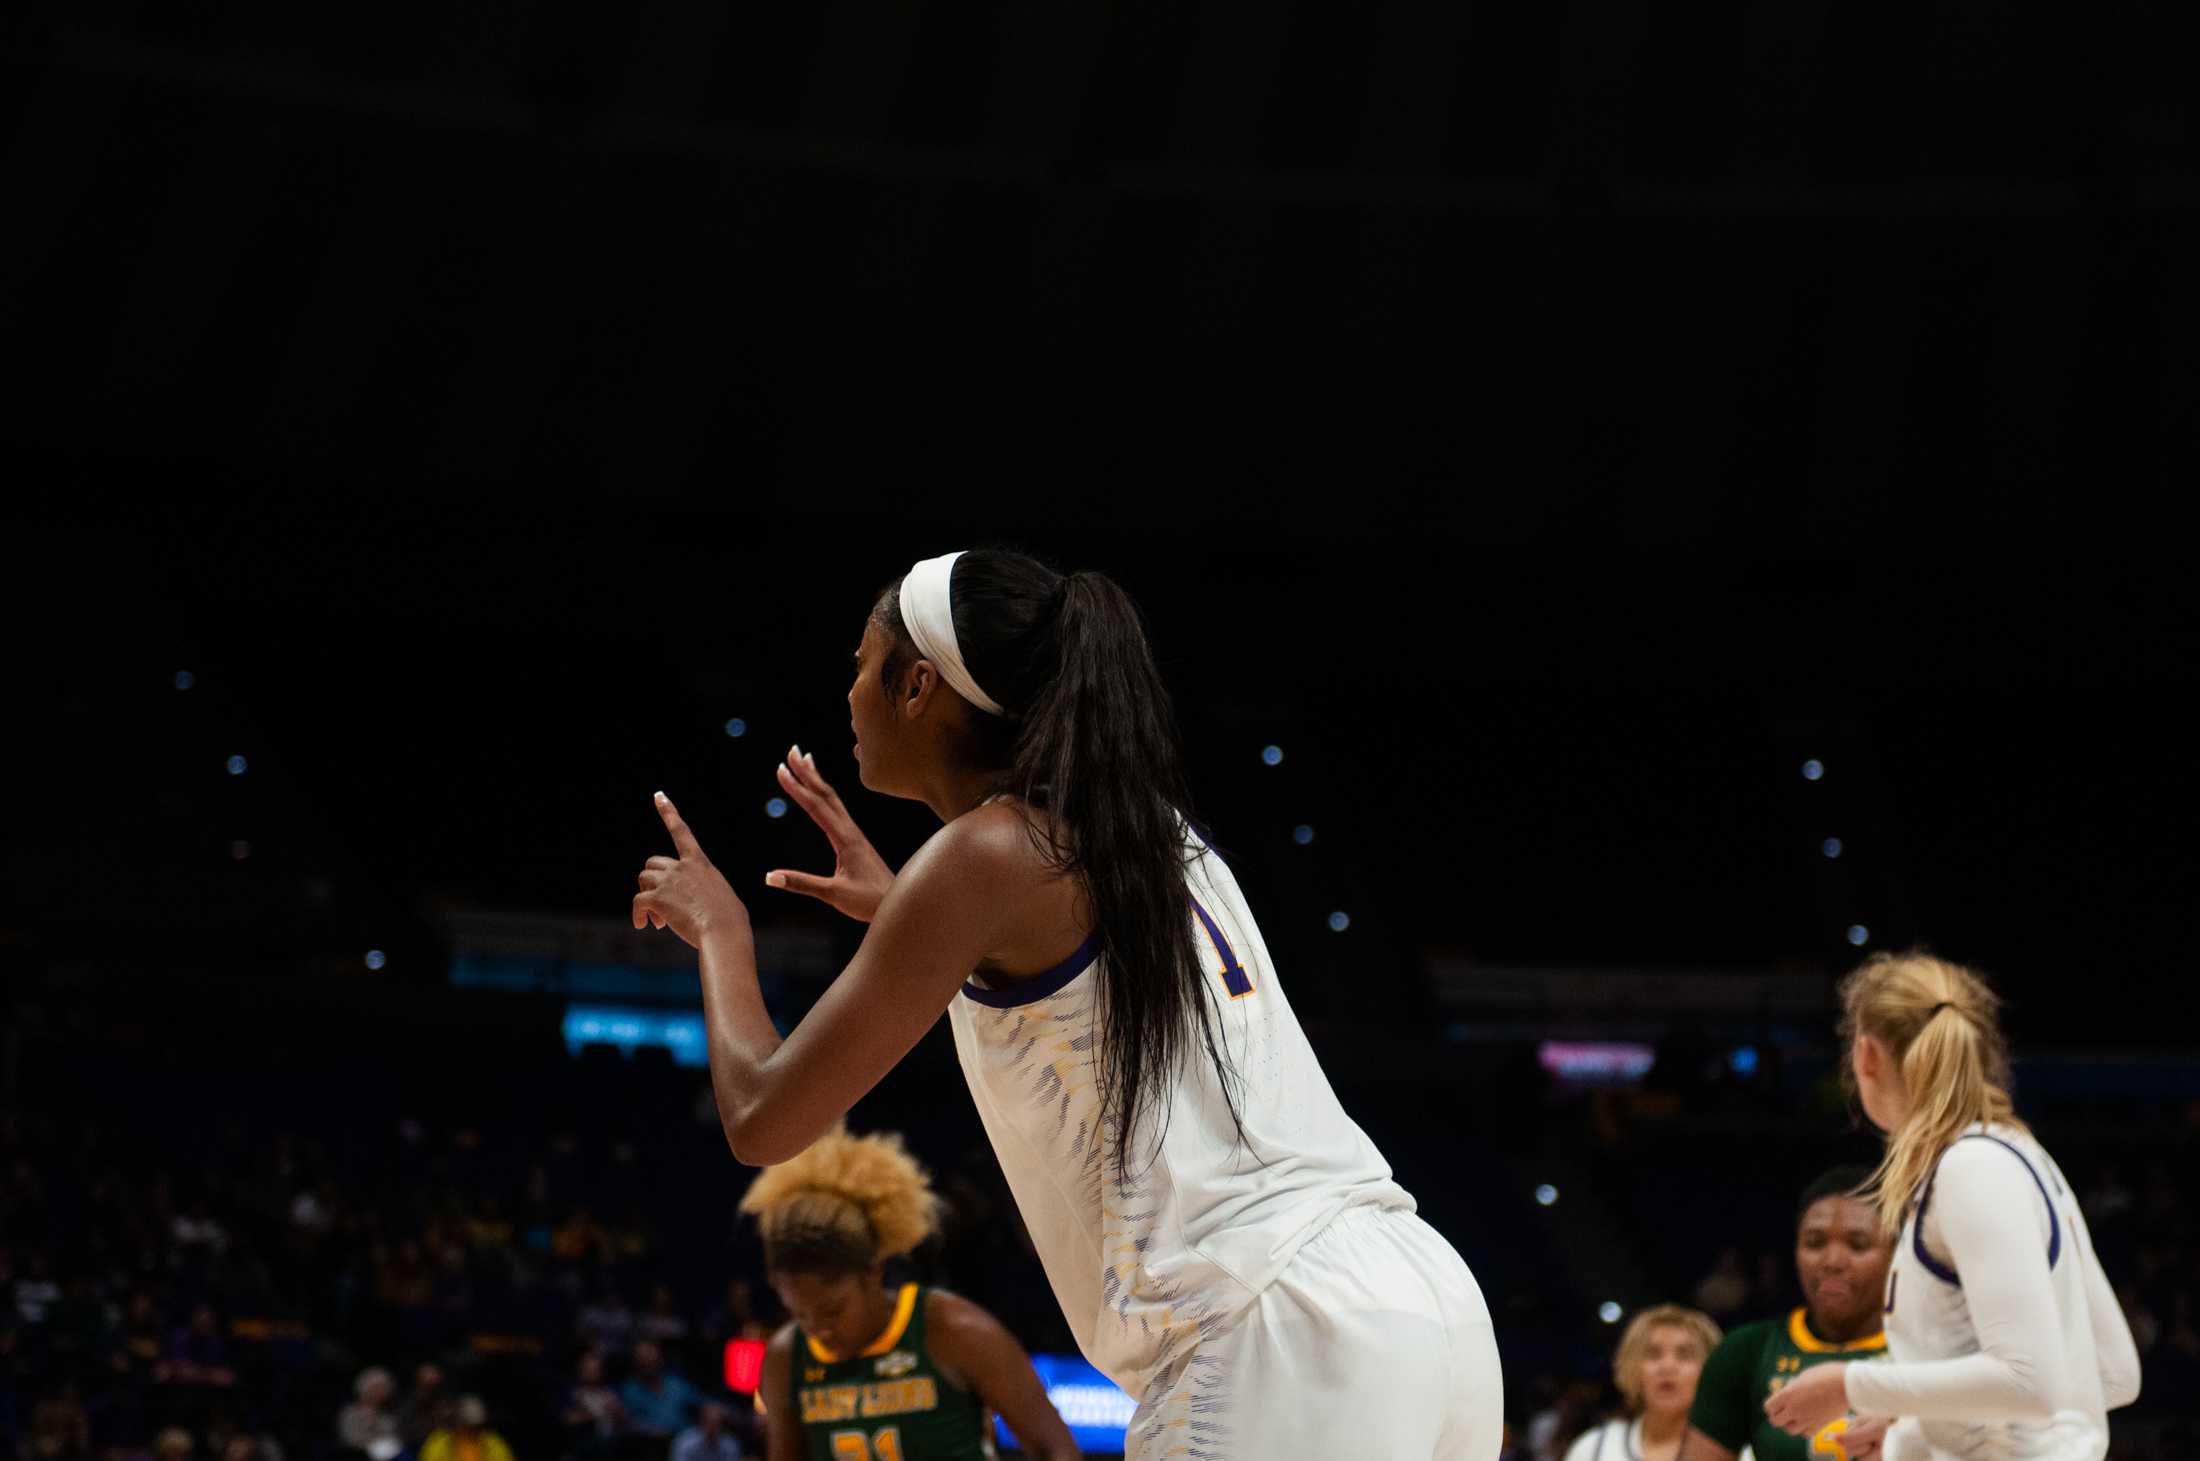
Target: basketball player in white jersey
[1226,1244]
[2004,1338]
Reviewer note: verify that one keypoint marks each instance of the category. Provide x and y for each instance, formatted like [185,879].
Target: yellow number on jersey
[855,1446]
[1828,1441]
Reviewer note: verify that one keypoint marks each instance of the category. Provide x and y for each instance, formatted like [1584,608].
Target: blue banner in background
[678,1031]
[1092,1405]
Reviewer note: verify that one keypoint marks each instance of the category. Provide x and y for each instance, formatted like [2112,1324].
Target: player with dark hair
[1224,1242]
[864,1372]
[1841,1262]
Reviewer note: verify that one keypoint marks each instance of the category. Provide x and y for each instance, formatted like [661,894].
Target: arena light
[1302,834]
[1813,769]
[744,1365]
[1831,847]
[1546,1195]
[737,727]
[1339,921]
[185,679]
[236,765]
[1596,1062]
[1859,935]
[1271,755]
[376,958]
[1609,1312]
[776,808]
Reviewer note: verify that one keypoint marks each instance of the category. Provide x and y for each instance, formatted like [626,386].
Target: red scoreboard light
[744,1365]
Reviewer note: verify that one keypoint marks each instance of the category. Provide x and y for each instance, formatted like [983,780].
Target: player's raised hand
[684,893]
[860,876]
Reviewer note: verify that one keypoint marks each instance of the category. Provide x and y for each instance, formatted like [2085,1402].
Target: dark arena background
[1639,507]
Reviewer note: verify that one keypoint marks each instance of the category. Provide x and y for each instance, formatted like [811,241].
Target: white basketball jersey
[1200,1222]
[1928,1319]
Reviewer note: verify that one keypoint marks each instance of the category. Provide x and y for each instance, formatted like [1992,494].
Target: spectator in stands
[1565,1414]
[36,1292]
[173,1444]
[427,1409]
[657,1401]
[117,1408]
[592,1414]
[1660,1357]
[708,1439]
[143,1331]
[60,1431]
[730,1320]
[196,1354]
[468,1437]
[662,1321]
[579,1237]
[605,1321]
[369,1423]
[1724,1292]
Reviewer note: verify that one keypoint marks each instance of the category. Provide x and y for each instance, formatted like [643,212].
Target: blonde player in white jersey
[1224,1241]
[2004,1337]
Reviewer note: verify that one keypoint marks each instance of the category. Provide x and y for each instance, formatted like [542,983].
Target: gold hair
[1941,1025]
[861,1194]
[1634,1345]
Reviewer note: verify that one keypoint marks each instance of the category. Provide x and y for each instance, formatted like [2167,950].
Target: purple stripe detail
[1933,1265]
[1946,1274]
[1038,986]
[2054,1223]
[1234,977]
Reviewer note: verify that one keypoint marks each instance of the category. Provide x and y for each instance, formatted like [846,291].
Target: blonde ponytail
[842,1204]
[1941,1024]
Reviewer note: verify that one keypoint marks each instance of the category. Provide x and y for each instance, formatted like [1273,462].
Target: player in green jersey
[1841,1257]
[870,1373]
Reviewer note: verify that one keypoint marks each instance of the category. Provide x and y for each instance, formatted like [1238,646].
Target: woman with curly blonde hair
[2004,1338]
[864,1372]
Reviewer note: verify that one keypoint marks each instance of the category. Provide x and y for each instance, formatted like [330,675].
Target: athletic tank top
[888,1403]
[1200,1222]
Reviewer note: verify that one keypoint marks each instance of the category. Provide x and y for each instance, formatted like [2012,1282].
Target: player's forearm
[739,1028]
[1976,1387]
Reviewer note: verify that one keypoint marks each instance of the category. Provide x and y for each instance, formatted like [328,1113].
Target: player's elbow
[2030,1395]
[756,1139]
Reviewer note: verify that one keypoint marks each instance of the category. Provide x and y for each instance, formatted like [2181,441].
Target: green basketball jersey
[1748,1367]
[888,1403]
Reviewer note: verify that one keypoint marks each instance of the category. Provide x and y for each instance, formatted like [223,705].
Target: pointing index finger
[682,839]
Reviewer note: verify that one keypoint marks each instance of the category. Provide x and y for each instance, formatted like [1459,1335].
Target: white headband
[928,610]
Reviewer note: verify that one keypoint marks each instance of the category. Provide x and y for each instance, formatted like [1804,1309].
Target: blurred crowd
[460,1250]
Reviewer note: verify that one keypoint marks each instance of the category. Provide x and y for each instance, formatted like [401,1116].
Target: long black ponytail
[1090,735]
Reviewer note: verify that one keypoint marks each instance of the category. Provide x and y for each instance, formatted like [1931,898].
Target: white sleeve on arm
[2113,1350]
[1994,1217]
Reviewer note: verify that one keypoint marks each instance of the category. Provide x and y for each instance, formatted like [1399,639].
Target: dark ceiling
[1550,424]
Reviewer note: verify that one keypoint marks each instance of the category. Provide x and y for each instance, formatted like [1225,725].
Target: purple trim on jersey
[1234,977]
[1038,986]
[1940,1270]
[2054,1224]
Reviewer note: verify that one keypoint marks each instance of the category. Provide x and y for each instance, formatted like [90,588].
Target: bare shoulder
[956,1318]
[781,1348]
[992,841]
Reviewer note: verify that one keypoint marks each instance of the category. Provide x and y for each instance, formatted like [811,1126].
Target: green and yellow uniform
[1751,1364]
[888,1403]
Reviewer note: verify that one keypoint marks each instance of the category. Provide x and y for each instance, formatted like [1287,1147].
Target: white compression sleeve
[1991,1212]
